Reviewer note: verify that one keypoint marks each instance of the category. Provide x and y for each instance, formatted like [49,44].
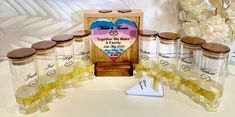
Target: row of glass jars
[40,73]
[189,65]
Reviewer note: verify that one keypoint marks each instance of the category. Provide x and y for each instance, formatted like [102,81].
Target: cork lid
[105,11]
[44,45]
[148,33]
[124,10]
[81,33]
[215,48]
[21,53]
[169,35]
[194,41]
[62,38]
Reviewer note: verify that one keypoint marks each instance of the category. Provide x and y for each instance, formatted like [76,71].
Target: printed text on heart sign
[113,42]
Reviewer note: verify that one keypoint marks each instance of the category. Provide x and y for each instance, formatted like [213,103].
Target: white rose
[191,28]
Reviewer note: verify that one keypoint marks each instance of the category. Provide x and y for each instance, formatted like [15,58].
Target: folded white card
[144,87]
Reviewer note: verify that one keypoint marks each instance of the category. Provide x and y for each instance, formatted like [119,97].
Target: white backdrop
[23,22]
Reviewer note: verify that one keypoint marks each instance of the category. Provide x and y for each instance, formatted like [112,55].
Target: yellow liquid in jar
[50,87]
[28,98]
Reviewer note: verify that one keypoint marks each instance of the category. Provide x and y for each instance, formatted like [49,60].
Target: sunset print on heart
[113,38]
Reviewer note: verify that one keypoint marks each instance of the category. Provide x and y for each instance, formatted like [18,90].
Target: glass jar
[148,48]
[167,58]
[83,66]
[213,68]
[65,59]
[188,64]
[147,51]
[47,69]
[25,79]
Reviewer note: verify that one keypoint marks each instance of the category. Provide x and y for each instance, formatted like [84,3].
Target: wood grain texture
[113,69]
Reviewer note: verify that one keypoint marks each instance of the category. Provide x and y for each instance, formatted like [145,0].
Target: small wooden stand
[113,69]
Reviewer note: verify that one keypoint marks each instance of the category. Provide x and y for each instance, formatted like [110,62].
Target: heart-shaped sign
[113,39]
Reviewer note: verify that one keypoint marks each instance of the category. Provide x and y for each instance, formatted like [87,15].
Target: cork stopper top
[169,35]
[215,48]
[44,45]
[81,33]
[124,10]
[21,53]
[148,33]
[62,38]
[194,41]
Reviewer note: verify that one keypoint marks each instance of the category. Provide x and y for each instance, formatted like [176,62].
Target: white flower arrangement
[213,20]
[212,29]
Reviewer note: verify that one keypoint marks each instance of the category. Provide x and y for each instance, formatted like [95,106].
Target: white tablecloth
[105,97]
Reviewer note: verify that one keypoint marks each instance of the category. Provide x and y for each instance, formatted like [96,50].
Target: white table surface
[105,97]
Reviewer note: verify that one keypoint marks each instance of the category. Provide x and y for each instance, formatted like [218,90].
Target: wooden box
[113,69]
[131,53]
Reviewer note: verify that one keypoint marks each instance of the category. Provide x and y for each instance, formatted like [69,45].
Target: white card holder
[144,87]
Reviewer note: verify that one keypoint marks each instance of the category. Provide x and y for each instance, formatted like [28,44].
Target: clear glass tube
[188,64]
[65,59]
[148,51]
[83,66]
[168,52]
[212,75]
[25,79]
[167,61]
[48,74]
